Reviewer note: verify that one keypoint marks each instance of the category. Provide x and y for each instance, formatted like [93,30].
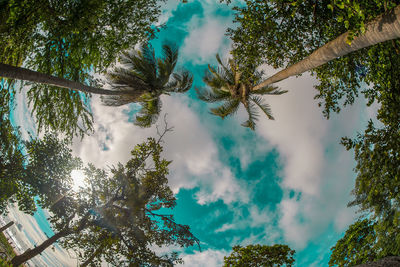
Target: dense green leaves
[121,214]
[260,255]
[357,245]
[70,39]
[11,159]
[125,212]
[281,33]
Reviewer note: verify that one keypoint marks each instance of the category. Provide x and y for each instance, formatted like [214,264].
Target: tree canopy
[118,218]
[260,255]
[280,33]
[70,39]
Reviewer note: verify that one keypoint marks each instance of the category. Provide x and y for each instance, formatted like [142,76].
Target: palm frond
[170,56]
[263,106]
[253,117]
[269,90]
[149,112]
[213,95]
[123,79]
[181,83]
[213,81]
[167,64]
[228,73]
[145,64]
[228,108]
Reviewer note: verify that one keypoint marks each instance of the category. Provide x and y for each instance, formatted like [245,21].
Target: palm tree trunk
[384,28]
[30,253]
[6,226]
[19,73]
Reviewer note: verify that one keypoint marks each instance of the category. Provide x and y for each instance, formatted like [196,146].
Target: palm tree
[383,28]
[149,77]
[229,85]
[19,73]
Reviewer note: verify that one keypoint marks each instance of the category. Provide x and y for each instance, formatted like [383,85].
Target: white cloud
[315,166]
[189,146]
[209,258]
[30,234]
[206,38]
[167,8]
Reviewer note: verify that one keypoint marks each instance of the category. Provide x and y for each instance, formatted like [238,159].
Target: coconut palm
[149,77]
[228,84]
[383,28]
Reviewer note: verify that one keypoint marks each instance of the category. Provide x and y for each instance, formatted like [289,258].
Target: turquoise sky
[287,182]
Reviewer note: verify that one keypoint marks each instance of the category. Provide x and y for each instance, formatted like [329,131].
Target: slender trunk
[90,259]
[19,73]
[6,226]
[384,28]
[30,253]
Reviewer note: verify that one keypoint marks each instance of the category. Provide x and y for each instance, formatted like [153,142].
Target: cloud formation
[194,154]
[317,191]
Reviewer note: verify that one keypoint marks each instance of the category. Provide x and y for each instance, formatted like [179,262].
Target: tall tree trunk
[6,226]
[30,253]
[383,28]
[94,254]
[19,73]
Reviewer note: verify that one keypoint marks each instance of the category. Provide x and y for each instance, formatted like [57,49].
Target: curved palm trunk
[2,229]
[19,73]
[384,28]
[30,253]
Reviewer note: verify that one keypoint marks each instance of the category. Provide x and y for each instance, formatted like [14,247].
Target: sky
[287,182]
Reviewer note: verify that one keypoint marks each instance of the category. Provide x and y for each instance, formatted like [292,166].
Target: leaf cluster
[232,84]
[260,255]
[127,212]
[147,77]
[70,39]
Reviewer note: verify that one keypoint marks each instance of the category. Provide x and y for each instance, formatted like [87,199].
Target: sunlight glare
[78,179]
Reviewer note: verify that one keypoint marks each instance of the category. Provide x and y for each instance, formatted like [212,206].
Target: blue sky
[287,182]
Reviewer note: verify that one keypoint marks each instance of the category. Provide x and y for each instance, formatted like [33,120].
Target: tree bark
[19,73]
[30,253]
[6,226]
[383,28]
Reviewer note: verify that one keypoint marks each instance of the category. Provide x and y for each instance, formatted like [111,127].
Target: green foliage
[232,85]
[12,189]
[48,169]
[70,39]
[6,246]
[148,78]
[4,263]
[260,255]
[120,215]
[357,245]
[281,33]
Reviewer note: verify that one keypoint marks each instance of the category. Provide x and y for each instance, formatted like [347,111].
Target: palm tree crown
[147,77]
[229,85]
